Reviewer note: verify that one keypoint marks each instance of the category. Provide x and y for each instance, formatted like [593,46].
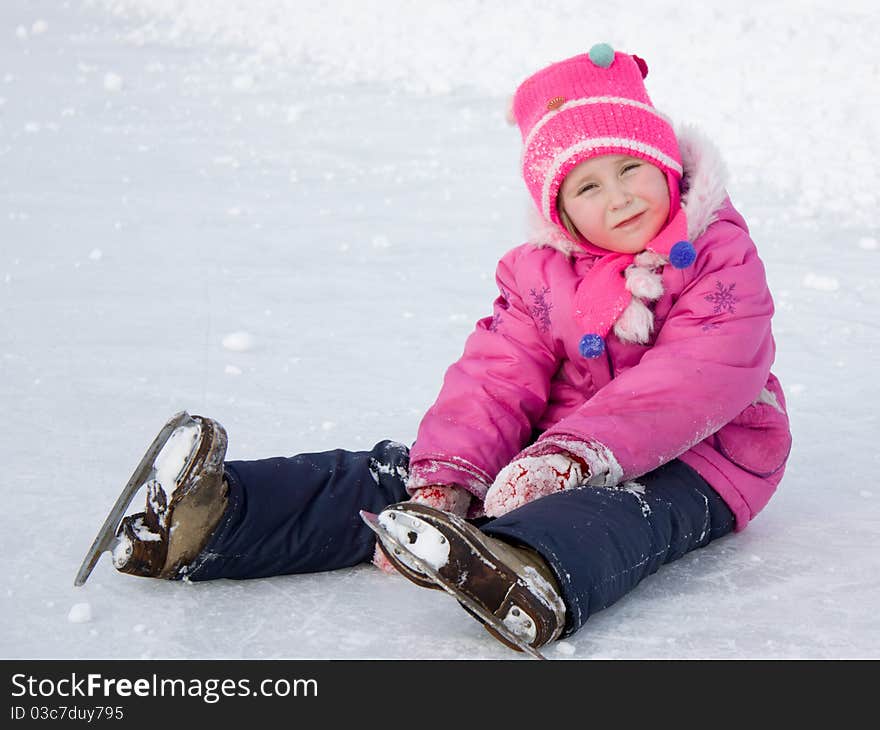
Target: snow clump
[238,341]
[112,82]
[80,613]
[174,456]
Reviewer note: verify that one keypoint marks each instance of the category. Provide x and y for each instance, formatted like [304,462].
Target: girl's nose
[618,197]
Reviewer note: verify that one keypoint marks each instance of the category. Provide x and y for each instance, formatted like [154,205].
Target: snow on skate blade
[420,538]
[122,550]
[175,455]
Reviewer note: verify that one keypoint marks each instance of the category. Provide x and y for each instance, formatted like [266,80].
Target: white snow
[174,456]
[143,533]
[243,82]
[121,551]
[113,82]
[238,341]
[80,613]
[403,105]
[420,538]
[821,283]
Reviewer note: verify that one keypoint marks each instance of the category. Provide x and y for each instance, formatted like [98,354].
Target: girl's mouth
[630,220]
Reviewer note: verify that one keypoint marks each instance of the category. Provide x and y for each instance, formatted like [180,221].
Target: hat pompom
[591,346]
[602,55]
[682,254]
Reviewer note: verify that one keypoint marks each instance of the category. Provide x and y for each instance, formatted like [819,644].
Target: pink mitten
[448,498]
[381,562]
[532,477]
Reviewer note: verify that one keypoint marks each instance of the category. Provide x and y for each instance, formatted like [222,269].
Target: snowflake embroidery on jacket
[503,300]
[541,309]
[723,298]
[501,303]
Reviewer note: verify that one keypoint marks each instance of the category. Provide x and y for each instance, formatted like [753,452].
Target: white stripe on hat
[568,152]
[592,100]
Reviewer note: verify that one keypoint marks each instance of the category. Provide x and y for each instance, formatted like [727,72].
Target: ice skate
[182,471]
[509,589]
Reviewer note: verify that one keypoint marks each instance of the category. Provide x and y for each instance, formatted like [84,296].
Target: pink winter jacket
[701,390]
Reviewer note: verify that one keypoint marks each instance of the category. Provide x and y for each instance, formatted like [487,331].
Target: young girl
[615,412]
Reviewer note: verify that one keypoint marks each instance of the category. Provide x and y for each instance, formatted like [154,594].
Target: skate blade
[106,537]
[372,521]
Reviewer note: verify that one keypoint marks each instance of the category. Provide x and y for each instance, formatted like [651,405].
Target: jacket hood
[703,193]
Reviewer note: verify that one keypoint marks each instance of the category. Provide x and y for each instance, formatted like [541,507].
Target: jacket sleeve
[711,358]
[490,398]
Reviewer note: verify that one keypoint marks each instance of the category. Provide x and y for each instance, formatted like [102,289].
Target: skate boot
[186,498]
[510,589]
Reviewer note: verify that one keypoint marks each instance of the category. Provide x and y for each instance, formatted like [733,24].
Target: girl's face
[616,202]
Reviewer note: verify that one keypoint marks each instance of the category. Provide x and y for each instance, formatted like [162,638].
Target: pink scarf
[602,295]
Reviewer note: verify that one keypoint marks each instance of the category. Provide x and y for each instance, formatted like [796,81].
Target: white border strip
[568,152]
[593,100]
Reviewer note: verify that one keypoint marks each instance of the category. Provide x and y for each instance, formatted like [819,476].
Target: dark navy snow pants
[602,541]
[299,514]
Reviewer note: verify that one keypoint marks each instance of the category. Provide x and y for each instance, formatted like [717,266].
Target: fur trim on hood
[703,193]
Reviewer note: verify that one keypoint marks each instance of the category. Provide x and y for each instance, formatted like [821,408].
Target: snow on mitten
[532,477]
[448,498]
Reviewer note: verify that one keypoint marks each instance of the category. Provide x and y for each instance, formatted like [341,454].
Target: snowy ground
[337,181]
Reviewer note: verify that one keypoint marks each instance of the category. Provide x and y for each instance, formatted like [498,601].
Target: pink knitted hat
[590,105]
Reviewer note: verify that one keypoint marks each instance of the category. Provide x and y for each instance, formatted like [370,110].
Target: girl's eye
[630,166]
[587,188]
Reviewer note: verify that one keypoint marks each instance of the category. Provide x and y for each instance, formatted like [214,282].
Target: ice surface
[822,283]
[388,128]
